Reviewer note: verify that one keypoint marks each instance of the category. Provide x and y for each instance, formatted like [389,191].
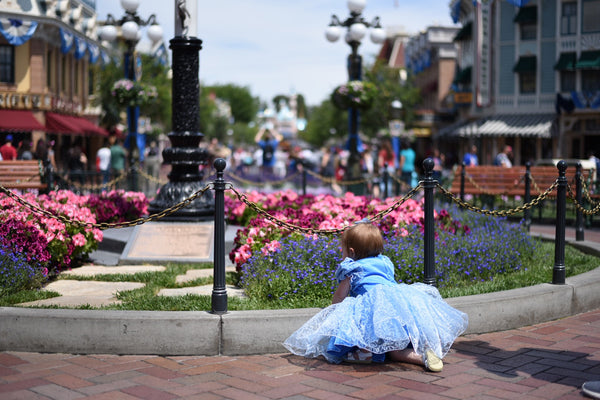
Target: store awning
[566,61]
[19,121]
[526,15]
[464,75]
[524,125]
[507,125]
[60,123]
[589,60]
[525,64]
[465,33]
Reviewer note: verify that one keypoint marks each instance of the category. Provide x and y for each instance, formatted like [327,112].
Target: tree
[243,105]
[326,122]
[153,73]
[390,88]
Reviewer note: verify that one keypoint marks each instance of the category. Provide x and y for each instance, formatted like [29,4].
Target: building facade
[529,77]
[47,48]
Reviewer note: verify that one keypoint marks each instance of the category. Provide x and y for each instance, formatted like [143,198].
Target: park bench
[22,175]
[487,180]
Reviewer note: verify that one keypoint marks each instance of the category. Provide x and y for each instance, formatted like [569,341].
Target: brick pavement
[545,361]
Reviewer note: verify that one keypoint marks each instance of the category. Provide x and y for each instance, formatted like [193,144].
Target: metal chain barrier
[92,187]
[501,213]
[586,192]
[150,178]
[403,185]
[102,226]
[580,207]
[261,184]
[284,224]
[329,180]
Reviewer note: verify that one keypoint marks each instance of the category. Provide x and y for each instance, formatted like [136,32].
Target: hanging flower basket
[131,94]
[354,94]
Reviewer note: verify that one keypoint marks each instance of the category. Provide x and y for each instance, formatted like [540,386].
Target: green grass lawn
[540,271]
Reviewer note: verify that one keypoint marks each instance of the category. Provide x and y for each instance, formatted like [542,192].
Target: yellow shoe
[432,362]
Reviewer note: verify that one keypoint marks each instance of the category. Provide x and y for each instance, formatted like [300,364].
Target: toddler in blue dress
[373,316]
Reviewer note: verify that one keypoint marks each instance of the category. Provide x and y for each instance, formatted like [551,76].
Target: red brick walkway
[545,361]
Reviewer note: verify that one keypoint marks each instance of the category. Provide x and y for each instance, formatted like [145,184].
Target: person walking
[268,142]
[118,154]
[407,163]
[470,158]
[503,158]
[7,150]
[103,162]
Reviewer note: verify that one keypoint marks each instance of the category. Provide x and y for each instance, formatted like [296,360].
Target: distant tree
[153,73]
[244,106]
[326,123]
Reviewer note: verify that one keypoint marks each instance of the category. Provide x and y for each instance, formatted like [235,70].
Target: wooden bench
[498,181]
[22,175]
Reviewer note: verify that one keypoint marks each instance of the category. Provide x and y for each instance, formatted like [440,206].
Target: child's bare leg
[432,362]
[407,355]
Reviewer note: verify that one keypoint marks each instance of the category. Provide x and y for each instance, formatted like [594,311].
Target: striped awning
[523,125]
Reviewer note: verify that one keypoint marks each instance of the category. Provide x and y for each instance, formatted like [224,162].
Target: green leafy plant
[354,94]
[130,93]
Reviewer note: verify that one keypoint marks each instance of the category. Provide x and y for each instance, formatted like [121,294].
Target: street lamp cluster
[356,29]
[130,25]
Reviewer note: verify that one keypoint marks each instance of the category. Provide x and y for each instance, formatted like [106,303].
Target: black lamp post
[185,156]
[356,30]
[130,25]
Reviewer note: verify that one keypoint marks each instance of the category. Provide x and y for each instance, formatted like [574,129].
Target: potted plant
[354,94]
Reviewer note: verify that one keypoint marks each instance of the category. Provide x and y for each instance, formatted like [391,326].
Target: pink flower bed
[51,242]
[318,212]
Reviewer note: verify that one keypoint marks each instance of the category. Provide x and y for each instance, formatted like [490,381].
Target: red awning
[19,121]
[60,123]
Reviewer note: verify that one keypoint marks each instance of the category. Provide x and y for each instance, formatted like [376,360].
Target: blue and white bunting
[17,31]
[80,48]
[66,41]
[94,52]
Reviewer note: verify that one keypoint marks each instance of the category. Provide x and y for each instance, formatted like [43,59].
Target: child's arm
[342,291]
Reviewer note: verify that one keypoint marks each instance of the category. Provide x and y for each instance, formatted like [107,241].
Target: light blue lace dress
[379,315]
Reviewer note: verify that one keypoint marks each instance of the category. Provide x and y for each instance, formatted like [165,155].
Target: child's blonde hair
[364,238]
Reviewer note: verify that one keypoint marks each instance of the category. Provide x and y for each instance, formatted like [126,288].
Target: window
[568,19]
[527,82]
[589,16]
[567,81]
[7,64]
[590,80]
[49,69]
[528,31]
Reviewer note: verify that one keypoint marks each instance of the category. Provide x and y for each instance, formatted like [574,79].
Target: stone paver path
[74,293]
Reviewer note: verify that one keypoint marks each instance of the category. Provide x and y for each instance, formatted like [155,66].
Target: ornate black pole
[429,234]
[219,293]
[579,233]
[184,155]
[527,215]
[558,272]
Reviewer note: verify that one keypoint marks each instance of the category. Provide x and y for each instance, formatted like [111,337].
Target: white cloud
[276,46]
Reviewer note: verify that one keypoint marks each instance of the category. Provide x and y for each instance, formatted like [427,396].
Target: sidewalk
[545,361]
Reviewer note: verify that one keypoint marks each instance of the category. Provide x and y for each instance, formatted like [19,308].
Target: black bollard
[429,234]
[303,178]
[579,235]
[386,178]
[219,292]
[558,272]
[527,215]
[462,183]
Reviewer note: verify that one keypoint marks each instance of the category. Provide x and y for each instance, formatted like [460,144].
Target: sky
[278,47]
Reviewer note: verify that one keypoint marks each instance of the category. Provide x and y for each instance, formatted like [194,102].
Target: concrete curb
[263,331]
